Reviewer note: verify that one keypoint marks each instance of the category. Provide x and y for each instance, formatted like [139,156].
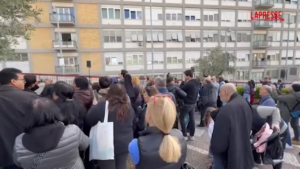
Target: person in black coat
[14,106]
[230,143]
[122,116]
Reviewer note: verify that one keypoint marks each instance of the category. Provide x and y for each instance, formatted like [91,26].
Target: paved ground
[198,152]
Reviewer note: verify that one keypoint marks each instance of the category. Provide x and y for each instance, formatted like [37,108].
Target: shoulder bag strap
[37,160]
[106,112]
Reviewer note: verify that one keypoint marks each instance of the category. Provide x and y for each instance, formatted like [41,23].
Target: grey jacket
[209,94]
[64,156]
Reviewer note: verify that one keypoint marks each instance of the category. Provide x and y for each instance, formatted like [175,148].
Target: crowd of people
[151,124]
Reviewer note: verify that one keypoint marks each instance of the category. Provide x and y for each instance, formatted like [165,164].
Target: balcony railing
[62,18]
[264,3]
[65,45]
[263,24]
[67,69]
[261,44]
[259,63]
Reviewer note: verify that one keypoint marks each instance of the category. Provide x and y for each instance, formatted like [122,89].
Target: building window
[173,16]
[243,37]
[274,36]
[159,16]
[112,36]
[132,14]
[210,36]
[228,36]
[111,61]
[135,60]
[298,36]
[192,36]
[244,16]
[291,2]
[173,60]
[111,13]
[291,35]
[18,57]
[157,36]
[259,37]
[134,36]
[174,36]
[291,20]
[191,18]
[278,1]
[273,57]
[211,16]
[70,61]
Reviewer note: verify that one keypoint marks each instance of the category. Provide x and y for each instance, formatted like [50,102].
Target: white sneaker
[186,138]
[288,147]
[191,138]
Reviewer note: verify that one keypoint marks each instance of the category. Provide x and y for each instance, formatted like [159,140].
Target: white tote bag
[102,139]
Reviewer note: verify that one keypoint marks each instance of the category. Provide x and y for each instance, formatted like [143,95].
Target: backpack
[295,111]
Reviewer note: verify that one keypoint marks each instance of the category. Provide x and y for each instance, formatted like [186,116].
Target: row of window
[191,15]
[112,36]
[18,57]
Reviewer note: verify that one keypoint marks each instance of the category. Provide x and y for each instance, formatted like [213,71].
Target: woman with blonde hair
[159,146]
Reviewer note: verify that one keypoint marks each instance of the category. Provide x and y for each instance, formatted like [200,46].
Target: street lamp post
[287,47]
[60,39]
[151,25]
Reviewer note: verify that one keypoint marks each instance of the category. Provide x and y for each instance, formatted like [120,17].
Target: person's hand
[275,127]
[273,87]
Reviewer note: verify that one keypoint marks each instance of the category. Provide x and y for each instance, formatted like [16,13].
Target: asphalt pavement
[198,152]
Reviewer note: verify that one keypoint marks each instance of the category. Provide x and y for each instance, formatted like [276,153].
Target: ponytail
[170,150]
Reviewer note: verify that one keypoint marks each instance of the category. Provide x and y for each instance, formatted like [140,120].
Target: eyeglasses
[161,95]
[22,80]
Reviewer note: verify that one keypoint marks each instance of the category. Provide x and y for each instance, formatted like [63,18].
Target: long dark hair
[118,100]
[128,85]
[72,110]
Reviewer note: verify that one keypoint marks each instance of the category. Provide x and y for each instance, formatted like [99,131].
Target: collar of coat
[234,95]
[8,88]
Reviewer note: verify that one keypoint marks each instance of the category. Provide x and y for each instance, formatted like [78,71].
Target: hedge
[240,90]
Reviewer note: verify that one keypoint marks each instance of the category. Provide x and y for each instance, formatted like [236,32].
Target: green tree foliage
[13,16]
[215,63]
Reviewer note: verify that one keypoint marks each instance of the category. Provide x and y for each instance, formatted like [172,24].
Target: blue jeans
[296,128]
[288,138]
[187,110]
[218,162]
[247,97]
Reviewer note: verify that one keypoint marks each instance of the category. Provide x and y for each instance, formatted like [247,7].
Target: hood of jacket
[296,95]
[171,87]
[86,96]
[103,92]
[44,138]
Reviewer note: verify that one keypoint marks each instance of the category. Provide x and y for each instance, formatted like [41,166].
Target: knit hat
[296,87]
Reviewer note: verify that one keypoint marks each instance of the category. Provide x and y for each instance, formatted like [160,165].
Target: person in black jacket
[15,104]
[122,116]
[230,141]
[178,93]
[179,96]
[191,88]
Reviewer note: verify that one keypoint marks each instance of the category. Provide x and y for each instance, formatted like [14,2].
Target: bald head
[226,91]
[229,88]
